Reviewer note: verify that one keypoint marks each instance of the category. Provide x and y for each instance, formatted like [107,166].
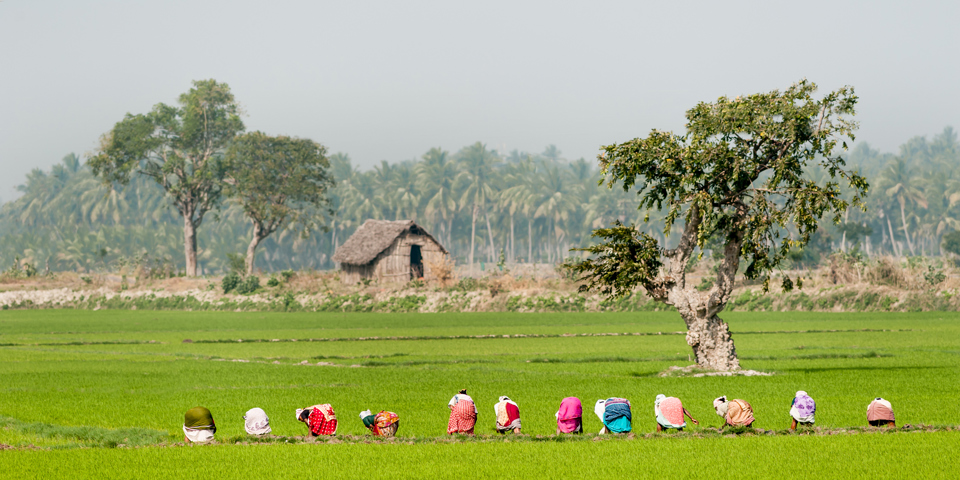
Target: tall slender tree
[278,181]
[179,147]
[476,178]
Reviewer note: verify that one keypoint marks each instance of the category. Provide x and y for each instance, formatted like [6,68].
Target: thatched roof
[373,237]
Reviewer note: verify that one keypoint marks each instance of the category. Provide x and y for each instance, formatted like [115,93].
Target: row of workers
[615,414]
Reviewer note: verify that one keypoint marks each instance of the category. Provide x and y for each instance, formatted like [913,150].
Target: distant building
[388,251]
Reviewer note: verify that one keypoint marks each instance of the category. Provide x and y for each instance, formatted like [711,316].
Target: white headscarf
[881,401]
[599,408]
[656,403]
[721,404]
[256,422]
[197,436]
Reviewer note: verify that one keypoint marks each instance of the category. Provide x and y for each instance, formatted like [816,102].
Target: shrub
[230,282]
[442,269]
[467,284]
[933,276]
[248,285]
[273,282]
[287,275]
[237,263]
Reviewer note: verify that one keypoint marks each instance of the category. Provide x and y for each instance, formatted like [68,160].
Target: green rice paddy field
[93,394]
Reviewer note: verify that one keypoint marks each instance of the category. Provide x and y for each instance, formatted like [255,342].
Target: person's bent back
[880,413]
[198,425]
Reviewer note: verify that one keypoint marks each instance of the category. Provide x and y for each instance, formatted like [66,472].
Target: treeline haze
[534,207]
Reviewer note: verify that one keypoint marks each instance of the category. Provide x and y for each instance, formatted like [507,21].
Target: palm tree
[436,176]
[557,198]
[476,180]
[899,183]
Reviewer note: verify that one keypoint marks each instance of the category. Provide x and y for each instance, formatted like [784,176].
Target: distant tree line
[478,202]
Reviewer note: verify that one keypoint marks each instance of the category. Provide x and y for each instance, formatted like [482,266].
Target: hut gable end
[382,249]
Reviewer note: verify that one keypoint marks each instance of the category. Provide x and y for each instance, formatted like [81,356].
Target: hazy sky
[389,79]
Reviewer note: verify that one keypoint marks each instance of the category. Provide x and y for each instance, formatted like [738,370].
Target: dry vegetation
[845,283]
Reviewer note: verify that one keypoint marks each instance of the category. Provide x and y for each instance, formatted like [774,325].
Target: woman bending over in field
[802,410]
[615,414]
[508,415]
[256,422]
[463,414]
[383,424]
[880,414]
[320,419]
[570,416]
[669,412]
[735,413]
[198,425]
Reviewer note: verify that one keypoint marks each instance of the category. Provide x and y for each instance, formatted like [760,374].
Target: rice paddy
[107,379]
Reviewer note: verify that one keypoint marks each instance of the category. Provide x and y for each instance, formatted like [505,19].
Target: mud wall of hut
[393,264]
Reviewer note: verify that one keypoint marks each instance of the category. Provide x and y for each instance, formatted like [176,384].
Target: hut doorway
[416,262]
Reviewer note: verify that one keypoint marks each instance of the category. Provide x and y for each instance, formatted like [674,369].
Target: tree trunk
[893,239]
[252,248]
[707,334]
[190,244]
[486,216]
[512,246]
[903,219]
[711,342]
[473,234]
[529,240]
[450,232]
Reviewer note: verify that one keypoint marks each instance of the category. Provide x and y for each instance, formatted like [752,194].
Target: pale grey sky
[389,80]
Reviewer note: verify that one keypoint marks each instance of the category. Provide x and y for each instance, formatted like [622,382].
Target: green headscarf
[198,418]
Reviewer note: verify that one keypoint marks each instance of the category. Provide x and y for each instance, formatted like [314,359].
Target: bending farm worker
[735,413]
[383,424]
[320,419]
[570,416]
[463,414]
[256,422]
[508,415]
[198,425]
[802,410]
[880,414]
[615,414]
[669,412]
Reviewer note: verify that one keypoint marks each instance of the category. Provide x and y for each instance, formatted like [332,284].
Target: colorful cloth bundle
[463,416]
[383,424]
[256,422]
[570,415]
[508,414]
[322,420]
[616,415]
[803,408]
[198,425]
[880,410]
[669,412]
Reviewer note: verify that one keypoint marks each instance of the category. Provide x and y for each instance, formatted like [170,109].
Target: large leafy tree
[179,147]
[278,181]
[737,176]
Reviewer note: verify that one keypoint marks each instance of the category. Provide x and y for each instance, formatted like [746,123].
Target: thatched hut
[389,251]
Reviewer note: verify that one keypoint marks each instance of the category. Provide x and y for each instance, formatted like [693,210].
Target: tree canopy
[277,181]
[181,148]
[740,174]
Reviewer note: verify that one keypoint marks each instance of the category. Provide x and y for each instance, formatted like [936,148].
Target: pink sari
[570,415]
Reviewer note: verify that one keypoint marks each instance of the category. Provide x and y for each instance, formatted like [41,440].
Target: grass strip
[138,437]
[84,436]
